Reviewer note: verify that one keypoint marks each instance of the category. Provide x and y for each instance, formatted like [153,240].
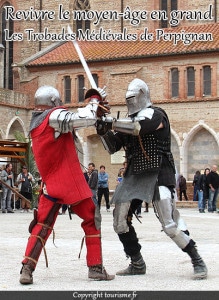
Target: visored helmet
[137,96]
[47,95]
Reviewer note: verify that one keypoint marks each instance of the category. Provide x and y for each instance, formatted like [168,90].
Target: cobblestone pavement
[168,268]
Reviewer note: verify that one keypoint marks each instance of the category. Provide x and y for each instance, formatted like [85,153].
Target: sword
[83,61]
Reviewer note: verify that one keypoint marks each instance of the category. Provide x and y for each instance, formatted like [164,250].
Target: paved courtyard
[168,268]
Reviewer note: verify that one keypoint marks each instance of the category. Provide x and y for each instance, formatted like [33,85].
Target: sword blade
[83,61]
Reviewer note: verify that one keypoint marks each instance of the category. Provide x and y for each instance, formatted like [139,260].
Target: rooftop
[165,42]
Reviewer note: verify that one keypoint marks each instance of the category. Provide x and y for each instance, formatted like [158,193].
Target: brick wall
[194,122]
[196,118]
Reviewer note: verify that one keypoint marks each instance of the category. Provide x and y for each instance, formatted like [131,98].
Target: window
[8,47]
[81,24]
[80,88]
[95,77]
[186,82]
[167,6]
[174,82]
[190,81]
[67,89]
[206,81]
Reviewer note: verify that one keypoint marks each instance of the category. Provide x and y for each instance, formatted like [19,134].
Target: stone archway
[200,149]
[16,124]
[175,149]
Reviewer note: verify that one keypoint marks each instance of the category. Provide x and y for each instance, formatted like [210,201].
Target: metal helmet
[47,95]
[137,96]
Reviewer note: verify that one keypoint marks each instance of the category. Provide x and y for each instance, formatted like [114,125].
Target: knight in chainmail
[51,130]
[150,176]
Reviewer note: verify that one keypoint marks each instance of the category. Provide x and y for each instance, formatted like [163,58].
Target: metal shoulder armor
[145,113]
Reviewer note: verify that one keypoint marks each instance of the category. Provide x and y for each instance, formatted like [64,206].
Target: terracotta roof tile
[113,50]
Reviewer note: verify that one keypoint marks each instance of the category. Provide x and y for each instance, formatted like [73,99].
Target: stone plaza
[168,268]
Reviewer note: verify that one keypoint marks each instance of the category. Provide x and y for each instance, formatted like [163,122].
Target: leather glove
[103,109]
[102,127]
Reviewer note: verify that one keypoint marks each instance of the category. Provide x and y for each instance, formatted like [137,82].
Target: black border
[111,295]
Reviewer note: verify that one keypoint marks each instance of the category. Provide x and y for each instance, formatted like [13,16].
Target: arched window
[206,81]
[7,25]
[81,24]
[190,81]
[174,82]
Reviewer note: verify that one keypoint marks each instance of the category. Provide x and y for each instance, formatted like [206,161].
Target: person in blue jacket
[103,187]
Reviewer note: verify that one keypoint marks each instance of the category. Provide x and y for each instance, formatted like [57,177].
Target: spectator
[146,207]
[138,210]
[64,208]
[7,176]
[86,176]
[203,191]
[93,180]
[121,172]
[24,181]
[103,187]
[213,183]
[194,184]
[38,191]
[182,188]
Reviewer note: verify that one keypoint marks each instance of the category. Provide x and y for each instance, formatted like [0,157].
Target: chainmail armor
[38,118]
[141,163]
[154,148]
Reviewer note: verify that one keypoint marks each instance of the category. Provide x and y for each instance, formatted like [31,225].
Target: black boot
[200,269]
[136,267]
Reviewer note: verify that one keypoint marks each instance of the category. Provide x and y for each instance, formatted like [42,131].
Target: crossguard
[102,109]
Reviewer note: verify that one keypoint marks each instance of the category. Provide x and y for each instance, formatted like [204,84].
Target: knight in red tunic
[54,150]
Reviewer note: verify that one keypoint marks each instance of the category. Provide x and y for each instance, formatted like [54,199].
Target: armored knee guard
[120,214]
[169,216]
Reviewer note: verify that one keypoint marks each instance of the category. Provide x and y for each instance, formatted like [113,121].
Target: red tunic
[58,164]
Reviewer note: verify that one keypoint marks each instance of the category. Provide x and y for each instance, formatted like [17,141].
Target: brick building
[182,74]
